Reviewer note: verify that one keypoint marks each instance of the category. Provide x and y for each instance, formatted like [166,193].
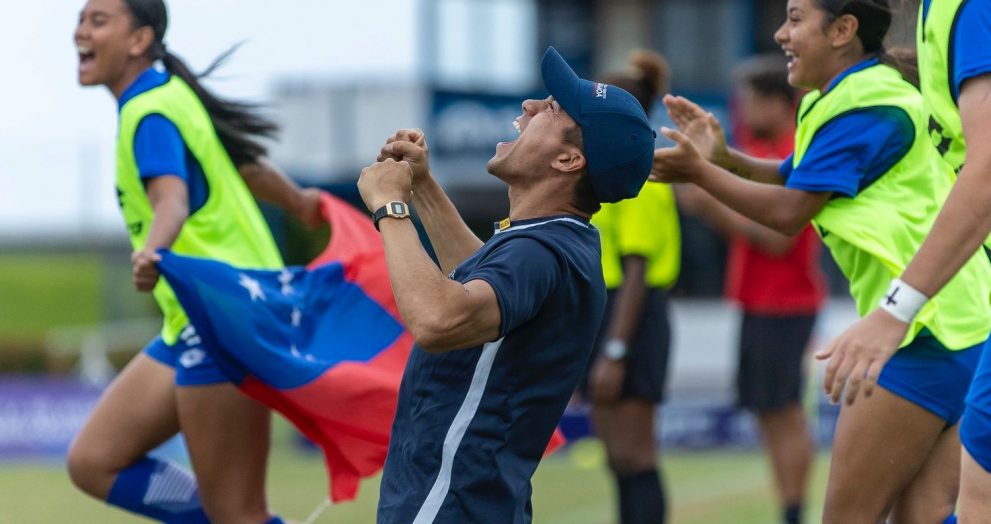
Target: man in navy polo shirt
[504,329]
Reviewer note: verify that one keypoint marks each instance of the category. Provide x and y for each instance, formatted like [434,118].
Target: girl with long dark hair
[187,165]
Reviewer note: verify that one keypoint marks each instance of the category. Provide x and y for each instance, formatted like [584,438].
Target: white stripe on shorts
[431,505]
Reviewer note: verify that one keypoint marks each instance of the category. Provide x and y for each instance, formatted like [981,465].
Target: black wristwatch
[394,209]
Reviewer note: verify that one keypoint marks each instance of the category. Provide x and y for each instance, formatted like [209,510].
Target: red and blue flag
[323,345]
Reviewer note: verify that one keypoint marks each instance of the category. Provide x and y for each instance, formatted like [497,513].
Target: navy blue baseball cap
[619,142]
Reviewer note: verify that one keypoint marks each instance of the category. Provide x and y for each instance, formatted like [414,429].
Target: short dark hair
[766,75]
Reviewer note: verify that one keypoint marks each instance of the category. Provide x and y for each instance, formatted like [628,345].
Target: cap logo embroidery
[600,90]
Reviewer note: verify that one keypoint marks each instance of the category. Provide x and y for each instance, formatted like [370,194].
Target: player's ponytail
[647,77]
[874,19]
[238,124]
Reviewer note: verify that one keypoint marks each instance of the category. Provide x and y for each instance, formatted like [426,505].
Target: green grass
[569,488]
[38,291]
[42,292]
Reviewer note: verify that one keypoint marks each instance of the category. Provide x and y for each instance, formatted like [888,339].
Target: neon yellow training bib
[229,227]
[933,42]
[873,236]
[646,225]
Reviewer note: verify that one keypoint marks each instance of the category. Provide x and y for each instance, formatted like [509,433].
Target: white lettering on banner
[467,127]
[41,425]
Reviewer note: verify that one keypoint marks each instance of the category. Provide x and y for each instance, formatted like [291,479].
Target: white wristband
[903,301]
[614,349]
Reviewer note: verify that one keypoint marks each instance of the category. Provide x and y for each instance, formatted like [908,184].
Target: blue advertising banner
[39,417]
[471,124]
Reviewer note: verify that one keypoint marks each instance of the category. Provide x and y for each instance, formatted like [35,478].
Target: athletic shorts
[647,356]
[975,428]
[928,374]
[193,365]
[769,373]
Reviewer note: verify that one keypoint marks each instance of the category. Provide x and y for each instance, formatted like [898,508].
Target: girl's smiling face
[805,39]
[108,43]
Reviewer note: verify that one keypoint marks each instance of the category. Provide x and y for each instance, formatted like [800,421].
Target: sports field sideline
[570,488]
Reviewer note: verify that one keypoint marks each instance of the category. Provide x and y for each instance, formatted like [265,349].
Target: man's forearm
[441,314]
[452,241]
[416,281]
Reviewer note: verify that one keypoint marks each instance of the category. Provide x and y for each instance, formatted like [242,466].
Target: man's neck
[533,202]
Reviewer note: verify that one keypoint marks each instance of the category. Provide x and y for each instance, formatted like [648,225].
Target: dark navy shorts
[769,374]
[928,374]
[975,428]
[193,364]
[647,357]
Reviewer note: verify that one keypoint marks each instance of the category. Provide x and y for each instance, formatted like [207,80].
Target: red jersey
[775,285]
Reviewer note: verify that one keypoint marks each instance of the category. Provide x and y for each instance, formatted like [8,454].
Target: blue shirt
[471,425]
[158,147]
[853,150]
[971,45]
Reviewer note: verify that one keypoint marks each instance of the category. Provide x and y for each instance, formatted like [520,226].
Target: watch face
[397,208]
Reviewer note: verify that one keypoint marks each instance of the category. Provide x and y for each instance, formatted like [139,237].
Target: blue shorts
[193,365]
[975,428]
[928,374]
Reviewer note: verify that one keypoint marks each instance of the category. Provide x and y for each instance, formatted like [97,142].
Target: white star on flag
[297,317]
[295,352]
[285,278]
[253,287]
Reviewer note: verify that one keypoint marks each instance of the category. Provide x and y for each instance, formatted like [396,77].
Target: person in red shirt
[777,282]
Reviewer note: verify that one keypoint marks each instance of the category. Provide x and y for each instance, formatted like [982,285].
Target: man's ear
[570,161]
[844,30]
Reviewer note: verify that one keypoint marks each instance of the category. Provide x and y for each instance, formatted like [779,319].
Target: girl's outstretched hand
[700,126]
[679,163]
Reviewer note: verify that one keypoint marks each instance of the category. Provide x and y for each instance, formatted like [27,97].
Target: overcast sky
[57,139]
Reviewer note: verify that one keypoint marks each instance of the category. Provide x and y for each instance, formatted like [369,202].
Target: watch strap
[394,209]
